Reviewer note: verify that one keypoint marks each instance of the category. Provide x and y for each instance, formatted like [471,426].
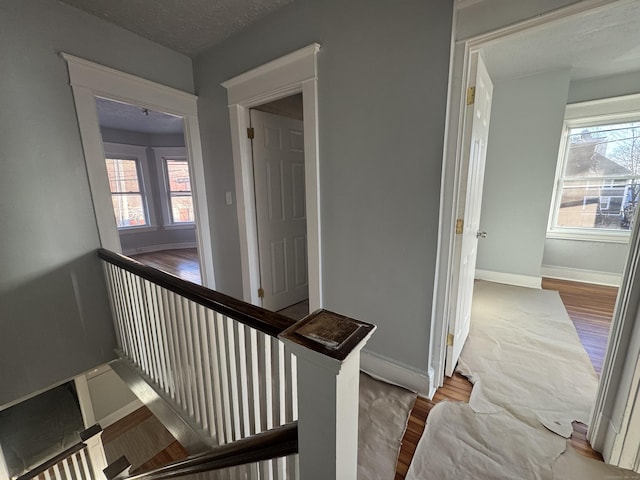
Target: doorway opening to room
[150,186]
[521,198]
[277,141]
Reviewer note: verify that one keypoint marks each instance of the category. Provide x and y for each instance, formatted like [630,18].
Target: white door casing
[278,166]
[285,76]
[474,152]
[90,80]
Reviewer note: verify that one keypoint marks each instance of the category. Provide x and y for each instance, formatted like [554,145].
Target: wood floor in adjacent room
[591,310]
[183,263]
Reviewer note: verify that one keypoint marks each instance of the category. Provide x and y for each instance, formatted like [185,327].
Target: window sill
[589,236]
[179,226]
[144,228]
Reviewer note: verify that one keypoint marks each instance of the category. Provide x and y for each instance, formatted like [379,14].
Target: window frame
[119,151]
[589,114]
[162,154]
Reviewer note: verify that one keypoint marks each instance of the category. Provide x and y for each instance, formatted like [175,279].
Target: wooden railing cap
[328,333]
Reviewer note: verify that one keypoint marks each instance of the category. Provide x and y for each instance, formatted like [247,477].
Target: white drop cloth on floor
[382,419]
[523,354]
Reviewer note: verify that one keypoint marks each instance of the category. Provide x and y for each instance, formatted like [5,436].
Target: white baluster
[254,374]
[233,377]
[77,472]
[198,370]
[179,351]
[224,377]
[212,340]
[85,465]
[243,379]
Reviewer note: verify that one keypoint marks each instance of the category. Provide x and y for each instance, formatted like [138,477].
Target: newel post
[327,347]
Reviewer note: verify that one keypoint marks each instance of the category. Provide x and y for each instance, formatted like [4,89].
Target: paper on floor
[461,444]
[571,465]
[527,356]
[382,419]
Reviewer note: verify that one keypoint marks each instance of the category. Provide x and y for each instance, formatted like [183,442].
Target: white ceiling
[605,41]
[186,26]
[128,117]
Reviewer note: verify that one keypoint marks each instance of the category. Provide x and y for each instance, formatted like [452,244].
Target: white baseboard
[509,278]
[159,248]
[120,413]
[580,275]
[395,373]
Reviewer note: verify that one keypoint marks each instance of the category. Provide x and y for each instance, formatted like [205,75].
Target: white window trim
[139,154]
[89,80]
[587,114]
[170,153]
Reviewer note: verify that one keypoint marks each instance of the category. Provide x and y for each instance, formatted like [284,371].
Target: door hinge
[251,133]
[450,340]
[471,95]
[261,292]
[459,226]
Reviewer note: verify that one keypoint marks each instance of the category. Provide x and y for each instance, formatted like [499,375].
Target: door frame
[285,76]
[620,382]
[89,80]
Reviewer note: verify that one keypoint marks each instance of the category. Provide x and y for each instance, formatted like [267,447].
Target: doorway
[90,80]
[615,360]
[150,185]
[279,183]
[291,74]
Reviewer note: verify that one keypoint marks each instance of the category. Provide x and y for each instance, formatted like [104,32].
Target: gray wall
[526,125]
[134,242]
[54,313]
[383,72]
[108,393]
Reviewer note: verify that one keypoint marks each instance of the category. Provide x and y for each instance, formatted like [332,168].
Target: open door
[474,152]
[278,164]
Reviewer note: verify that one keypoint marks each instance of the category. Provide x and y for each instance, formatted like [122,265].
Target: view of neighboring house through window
[126,192]
[599,180]
[179,191]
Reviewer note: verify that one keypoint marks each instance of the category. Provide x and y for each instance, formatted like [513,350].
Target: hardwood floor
[183,263]
[173,452]
[591,310]
[297,311]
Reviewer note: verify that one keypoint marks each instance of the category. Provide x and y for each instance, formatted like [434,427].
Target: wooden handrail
[270,323]
[43,467]
[275,443]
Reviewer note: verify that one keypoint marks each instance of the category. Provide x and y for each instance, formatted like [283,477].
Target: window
[598,182]
[126,192]
[179,191]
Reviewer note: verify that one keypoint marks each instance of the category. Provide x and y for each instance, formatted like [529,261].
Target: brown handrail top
[270,323]
[43,467]
[275,443]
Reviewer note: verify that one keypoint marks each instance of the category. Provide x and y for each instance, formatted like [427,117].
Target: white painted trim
[581,275]
[528,281]
[390,371]
[293,73]
[160,247]
[120,413]
[84,399]
[461,49]
[90,80]
[621,354]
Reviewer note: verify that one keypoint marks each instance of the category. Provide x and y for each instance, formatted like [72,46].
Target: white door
[474,152]
[278,164]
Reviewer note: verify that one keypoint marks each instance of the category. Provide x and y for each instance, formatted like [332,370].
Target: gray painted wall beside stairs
[54,313]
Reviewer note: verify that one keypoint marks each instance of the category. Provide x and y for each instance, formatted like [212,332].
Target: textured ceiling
[601,42]
[186,26]
[128,117]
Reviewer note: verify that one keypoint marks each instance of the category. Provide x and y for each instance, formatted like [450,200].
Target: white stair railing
[216,359]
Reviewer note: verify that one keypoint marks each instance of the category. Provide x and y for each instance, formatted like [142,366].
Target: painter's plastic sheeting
[382,419]
[461,444]
[570,466]
[524,355]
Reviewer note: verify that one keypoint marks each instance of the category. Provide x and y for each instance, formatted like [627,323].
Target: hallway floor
[590,307]
[183,263]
